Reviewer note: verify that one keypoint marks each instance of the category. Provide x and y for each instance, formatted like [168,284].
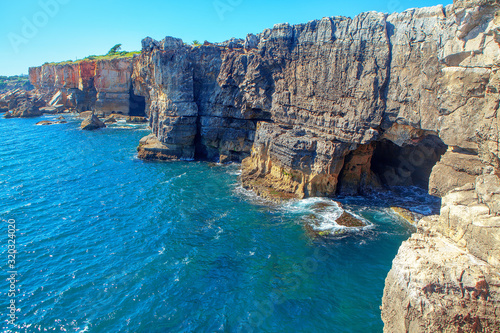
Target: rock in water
[110,120]
[92,123]
[150,148]
[45,122]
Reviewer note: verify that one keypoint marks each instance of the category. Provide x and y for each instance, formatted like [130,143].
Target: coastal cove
[107,242]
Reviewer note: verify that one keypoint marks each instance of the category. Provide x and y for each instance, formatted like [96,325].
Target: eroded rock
[92,122]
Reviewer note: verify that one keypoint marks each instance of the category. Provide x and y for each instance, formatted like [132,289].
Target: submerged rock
[22,104]
[45,122]
[407,215]
[137,120]
[92,123]
[350,221]
[128,119]
[48,122]
[344,221]
[110,120]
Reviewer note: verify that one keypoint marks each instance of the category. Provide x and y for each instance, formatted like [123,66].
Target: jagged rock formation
[446,277]
[311,97]
[103,86]
[92,122]
[21,103]
[342,105]
[197,99]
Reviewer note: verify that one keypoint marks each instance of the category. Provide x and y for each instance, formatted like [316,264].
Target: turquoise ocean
[106,242]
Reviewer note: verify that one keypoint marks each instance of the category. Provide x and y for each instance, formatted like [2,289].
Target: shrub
[114,49]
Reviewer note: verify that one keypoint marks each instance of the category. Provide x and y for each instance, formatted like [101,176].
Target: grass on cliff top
[123,54]
[13,82]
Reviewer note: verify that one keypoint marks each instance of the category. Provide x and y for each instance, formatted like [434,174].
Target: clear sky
[36,31]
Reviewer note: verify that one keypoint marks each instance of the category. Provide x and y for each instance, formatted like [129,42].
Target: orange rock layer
[101,85]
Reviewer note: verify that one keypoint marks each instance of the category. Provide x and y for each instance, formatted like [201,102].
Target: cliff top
[124,54]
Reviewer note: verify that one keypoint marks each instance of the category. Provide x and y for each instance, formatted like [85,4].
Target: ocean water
[109,243]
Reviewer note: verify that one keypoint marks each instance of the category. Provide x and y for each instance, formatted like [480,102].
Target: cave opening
[137,105]
[409,165]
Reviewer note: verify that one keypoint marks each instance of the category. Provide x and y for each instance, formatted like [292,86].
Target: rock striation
[317,107]
[103,86]
[197,100]
[446,277]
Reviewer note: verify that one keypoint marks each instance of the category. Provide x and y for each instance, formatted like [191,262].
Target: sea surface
[109,243]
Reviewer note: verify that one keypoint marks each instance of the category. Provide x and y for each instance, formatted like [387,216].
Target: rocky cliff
[104,86]
[200,100]
[325,104]
[345,105]
[342,105]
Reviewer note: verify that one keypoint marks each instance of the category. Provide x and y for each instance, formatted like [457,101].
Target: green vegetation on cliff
[14,82]
[113,53]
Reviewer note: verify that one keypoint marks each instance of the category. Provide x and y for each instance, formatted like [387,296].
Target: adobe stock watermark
[224,6]
[394,6]
[31,27]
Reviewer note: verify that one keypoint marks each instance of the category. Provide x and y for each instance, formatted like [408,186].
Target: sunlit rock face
[104,86]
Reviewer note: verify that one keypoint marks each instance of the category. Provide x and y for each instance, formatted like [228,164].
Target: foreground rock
[446,277]
[92,123]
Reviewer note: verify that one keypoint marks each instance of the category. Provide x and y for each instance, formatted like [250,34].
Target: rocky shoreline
[335,106]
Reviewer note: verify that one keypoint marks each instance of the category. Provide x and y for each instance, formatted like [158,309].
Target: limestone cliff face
[310,97]
[199,99]
[446,277]
[401,77]
[102,85]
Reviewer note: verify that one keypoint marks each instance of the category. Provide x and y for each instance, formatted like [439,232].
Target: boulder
[110,120]
[22,103]
[150,148]
[92,123]
[44,122]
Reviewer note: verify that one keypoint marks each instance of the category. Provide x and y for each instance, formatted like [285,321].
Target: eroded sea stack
[343,105]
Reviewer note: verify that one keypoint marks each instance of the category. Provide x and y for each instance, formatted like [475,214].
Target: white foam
[325,214]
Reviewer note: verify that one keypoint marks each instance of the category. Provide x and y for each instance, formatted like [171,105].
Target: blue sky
[36,31]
